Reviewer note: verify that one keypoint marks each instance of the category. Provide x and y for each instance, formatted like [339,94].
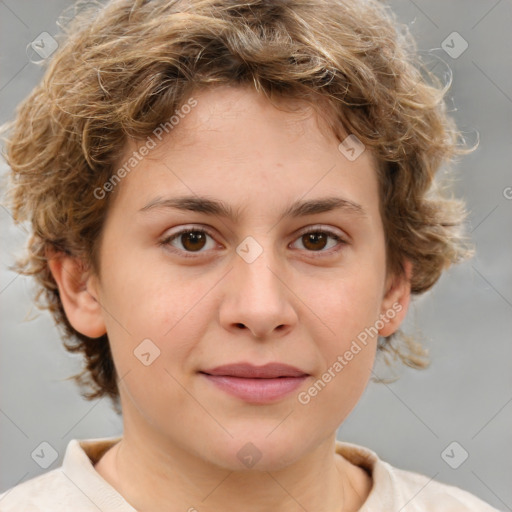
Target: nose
[258,298]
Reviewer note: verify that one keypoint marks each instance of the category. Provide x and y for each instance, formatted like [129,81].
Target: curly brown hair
[123,69]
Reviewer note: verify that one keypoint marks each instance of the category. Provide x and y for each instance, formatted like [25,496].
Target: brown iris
[193,240]
[314,241]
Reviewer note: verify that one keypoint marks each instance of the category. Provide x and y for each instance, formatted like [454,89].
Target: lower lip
[258,391]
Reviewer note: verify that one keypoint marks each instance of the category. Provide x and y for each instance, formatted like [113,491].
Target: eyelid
[323,229]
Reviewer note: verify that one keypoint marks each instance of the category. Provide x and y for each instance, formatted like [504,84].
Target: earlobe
[78,293]
[395,303]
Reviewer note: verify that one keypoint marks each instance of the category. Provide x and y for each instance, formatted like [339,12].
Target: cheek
[349,309]
[348,303]
[154,317]
[151,300]
[347,352]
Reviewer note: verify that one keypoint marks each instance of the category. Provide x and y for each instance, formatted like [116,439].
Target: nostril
[242,326]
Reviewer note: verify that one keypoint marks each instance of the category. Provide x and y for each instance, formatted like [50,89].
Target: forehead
[236,145]
[247,111]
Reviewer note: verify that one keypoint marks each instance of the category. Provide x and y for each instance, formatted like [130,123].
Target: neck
[150,478]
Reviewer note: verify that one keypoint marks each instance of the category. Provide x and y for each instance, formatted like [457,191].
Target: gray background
[466,394]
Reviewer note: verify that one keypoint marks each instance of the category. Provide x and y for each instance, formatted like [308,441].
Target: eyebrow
[202,204]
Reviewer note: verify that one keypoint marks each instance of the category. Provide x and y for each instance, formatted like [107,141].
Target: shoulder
[39,494]
[407,491]
[73,486]
[429,493]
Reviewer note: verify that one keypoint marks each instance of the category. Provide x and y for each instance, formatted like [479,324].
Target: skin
[297,303]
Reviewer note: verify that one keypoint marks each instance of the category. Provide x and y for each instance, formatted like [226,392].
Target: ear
[395,302]
[78,293]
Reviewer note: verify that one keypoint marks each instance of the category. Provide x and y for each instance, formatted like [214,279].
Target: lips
[248,371]
[256,384]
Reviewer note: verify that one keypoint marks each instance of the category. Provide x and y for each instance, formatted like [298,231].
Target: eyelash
[190,254]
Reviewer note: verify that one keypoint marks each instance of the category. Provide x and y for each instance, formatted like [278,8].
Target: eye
[317,240]
[188,241]
[192,240]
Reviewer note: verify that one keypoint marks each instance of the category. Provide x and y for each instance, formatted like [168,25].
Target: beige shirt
[76,486]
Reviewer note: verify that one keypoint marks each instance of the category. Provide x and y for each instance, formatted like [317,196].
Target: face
[186,286]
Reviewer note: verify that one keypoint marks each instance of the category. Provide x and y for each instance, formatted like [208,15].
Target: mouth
[256,384]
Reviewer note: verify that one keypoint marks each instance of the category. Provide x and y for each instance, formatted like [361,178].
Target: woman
[231,205]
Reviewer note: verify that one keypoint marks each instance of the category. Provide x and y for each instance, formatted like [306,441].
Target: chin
[256,451]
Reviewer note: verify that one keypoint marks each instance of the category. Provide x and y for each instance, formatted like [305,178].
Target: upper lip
[249,371]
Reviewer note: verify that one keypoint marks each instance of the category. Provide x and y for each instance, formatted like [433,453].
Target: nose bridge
[256,267]
[258,299]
